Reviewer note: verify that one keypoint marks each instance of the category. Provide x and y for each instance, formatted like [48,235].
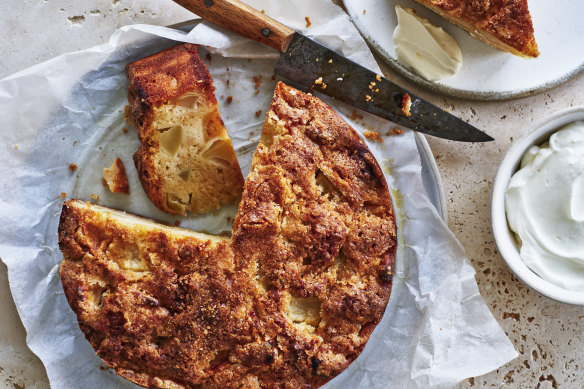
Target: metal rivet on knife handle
[240,18]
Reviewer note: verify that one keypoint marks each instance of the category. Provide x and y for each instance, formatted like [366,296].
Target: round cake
[289,301]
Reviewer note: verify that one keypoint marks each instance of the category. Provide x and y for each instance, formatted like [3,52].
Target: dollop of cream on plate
[545,207]
[428,49]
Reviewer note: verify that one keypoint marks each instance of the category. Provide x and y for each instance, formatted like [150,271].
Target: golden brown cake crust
[504,24]
[147,296]
[164,76]
[288,302]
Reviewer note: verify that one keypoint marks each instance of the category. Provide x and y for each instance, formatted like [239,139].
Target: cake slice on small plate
[186,162]
[503,24]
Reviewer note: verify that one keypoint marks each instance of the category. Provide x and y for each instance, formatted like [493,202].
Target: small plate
[504,237]
[486,73]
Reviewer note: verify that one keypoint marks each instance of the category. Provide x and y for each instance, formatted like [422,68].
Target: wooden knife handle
[240,18]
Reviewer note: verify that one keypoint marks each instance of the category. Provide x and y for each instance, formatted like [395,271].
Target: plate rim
[432,179]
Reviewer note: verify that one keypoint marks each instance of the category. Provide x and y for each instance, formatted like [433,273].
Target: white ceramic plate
[504,237]
[487,73]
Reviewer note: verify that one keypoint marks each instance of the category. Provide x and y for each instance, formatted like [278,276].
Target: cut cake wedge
[186,162]
[503,24]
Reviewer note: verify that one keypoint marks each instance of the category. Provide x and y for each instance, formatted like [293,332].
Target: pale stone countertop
[548,335]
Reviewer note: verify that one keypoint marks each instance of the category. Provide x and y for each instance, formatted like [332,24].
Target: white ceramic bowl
[504,237]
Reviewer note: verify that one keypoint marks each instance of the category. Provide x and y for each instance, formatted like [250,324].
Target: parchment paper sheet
[437,329]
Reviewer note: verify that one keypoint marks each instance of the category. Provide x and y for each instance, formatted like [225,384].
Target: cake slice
[186,162]
[315,229]
[160,305]
[503,24]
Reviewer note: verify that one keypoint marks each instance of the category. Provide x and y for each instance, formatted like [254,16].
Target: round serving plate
[486,73]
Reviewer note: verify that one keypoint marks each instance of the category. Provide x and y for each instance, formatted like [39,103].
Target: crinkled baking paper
[437,329]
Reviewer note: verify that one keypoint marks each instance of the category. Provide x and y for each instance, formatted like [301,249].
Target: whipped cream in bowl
[537,207]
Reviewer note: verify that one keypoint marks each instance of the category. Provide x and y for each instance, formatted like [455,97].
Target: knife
[308,65]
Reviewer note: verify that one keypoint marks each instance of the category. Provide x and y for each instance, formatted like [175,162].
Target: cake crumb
[373,135]
[364,12]
[177,223]
[95,197]
[330,60]
[355,115]
[16,147]
[367,98]
[208,56]
[378,77]
[258,112]
[72,167]
[63,195]
[406,104]
[257,81]
[125,130]
[396,131]
[115,178]
[229,99]
[257,92]
[308,23]
[318,81]
[128,115]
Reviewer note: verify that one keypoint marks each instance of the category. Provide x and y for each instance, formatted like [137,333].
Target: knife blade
[310,65]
